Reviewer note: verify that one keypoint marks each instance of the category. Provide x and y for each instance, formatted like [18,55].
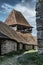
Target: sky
[26,7]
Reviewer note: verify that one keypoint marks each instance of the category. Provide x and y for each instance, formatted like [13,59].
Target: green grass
[9,55]
[31,51]
[22,58]
[31,58]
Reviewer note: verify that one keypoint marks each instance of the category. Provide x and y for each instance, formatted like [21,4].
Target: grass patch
[13,53]
[31,58]
[31,51]
[9,55]
[27,58]
[2,58]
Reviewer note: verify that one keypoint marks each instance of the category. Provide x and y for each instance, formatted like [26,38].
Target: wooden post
[0,48]
[0,45]
[18,46]
[24,47]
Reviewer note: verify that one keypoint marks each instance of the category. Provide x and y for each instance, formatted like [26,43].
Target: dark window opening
[24,47]
[32,46]
[24,29]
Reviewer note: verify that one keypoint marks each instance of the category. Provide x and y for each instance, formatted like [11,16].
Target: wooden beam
[0,48]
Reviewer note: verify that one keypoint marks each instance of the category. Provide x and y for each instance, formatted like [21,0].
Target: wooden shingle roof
[10,33]
[3,36]
[16,17]
[29,38]
[5,30]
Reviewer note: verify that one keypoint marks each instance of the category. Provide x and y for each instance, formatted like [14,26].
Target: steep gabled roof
[7,32]
[10,33]
[16,17]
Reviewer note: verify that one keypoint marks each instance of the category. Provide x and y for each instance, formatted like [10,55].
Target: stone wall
[8,46]
[39,22]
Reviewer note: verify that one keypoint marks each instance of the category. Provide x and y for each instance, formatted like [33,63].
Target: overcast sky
[27,7]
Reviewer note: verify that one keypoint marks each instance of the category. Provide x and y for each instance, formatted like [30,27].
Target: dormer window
[23,28]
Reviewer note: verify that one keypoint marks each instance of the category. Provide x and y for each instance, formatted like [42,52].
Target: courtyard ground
[26,58]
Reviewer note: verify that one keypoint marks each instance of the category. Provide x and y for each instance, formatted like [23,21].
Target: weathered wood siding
[35,47]
[28,47]
[21,46]
[8,46]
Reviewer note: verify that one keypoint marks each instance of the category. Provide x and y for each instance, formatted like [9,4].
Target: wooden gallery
[15,34]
